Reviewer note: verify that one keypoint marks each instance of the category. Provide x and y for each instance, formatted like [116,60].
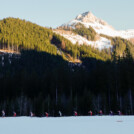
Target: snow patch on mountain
[99,25]
[100,44]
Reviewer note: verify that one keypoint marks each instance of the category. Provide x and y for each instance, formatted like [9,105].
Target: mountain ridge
[99,25]
[90,17]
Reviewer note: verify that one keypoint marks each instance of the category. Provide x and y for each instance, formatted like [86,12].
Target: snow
[100,26]
[100,44]
[68,125]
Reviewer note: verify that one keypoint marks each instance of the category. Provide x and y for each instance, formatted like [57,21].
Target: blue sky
[53,13]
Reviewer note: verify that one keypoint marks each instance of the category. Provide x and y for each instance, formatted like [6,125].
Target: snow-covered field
[68,125]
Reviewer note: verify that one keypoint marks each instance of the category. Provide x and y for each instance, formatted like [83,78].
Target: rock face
[99,25]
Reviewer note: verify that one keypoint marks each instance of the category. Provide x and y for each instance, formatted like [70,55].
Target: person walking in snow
[46,114]
[31,114]
[119,112]
[90,112]
[75,113]
[60,113]
[111,113]
[14,114]
[100,112]
[3,113]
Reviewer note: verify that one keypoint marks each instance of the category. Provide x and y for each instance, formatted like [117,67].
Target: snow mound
[68,125]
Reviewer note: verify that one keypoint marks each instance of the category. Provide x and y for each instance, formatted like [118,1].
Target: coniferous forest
[42,76]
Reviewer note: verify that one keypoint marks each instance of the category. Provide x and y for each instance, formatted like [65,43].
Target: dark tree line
[40,82]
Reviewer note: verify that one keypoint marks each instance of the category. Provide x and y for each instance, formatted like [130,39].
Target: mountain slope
[101,43]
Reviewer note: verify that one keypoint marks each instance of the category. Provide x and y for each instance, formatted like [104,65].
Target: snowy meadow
[68,125]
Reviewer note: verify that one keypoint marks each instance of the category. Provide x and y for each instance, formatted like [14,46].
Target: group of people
[3,114]
[99,113]
[60,113]
[46,114]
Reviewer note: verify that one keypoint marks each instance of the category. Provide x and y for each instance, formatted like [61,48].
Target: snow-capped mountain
[99,25]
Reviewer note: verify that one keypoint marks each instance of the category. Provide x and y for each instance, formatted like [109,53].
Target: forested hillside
[88,33]
[17,35]
[120,45]
[43,79]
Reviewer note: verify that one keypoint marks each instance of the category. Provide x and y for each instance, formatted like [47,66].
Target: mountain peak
[88,14]
[86,17]
[89,19]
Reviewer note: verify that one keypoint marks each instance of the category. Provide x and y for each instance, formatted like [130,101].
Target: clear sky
[53,13]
